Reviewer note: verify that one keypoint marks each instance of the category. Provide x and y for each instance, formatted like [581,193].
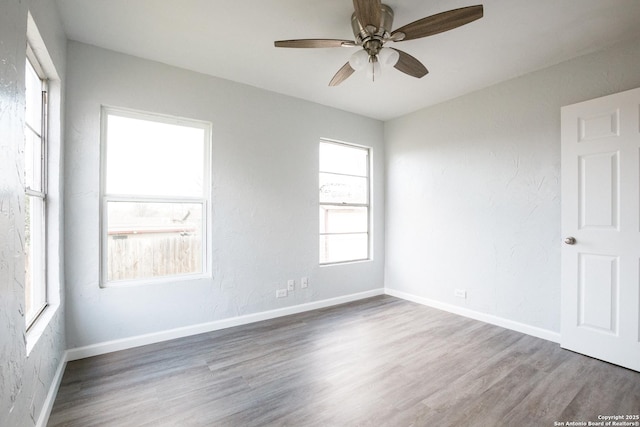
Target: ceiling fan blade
[342,75]
[440,22]
[315,43]
[368,12]
[410,65]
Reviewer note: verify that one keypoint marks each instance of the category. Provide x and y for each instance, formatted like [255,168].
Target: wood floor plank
[377,362]
[546,398]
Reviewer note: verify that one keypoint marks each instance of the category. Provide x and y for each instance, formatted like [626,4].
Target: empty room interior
[312,213]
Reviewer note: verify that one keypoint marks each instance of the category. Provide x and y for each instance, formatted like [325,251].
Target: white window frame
[366,205]
[54,273]
[39,242]
[105,198]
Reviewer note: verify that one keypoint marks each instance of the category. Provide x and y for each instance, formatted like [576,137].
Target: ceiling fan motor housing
[382,31]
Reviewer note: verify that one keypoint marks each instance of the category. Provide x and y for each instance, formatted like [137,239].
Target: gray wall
[265,208]
[25,381]
[473,190]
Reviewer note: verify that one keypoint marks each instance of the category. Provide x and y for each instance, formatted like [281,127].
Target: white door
[601,228]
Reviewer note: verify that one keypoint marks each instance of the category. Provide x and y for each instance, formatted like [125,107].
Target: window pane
[35,225]
[344,159]
[35,285]
[33,89]
[344,199]
[343,189]
[343,219]
[32,161]
[153,158]
[147,240]
[344,247]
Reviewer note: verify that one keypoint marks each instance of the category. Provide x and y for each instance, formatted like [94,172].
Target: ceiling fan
[371,23]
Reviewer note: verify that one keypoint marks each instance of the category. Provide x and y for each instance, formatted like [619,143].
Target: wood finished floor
[376,362]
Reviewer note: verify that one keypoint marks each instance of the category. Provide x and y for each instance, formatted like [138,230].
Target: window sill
[156,281]
[40,325]
[357,261]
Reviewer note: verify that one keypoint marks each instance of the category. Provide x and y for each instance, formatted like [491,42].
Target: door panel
[598,182]
[597,292]
[601,210]
[599,126]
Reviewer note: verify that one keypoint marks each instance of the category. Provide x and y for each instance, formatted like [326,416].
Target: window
[344,202]
[155,196]
[35,156]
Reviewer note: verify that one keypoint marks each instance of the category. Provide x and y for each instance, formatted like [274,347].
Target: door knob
[570,240]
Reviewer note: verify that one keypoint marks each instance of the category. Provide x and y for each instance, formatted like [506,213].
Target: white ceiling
[234,40]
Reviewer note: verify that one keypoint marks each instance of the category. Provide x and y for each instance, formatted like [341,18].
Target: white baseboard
[47,406]
[472,314]
[152,338]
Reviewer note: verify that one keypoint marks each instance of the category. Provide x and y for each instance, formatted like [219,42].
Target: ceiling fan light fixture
[388,57]
[359,60]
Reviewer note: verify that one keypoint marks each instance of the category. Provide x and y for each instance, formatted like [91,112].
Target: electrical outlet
[281,293]
[291,284]
[460,293]
[304,282]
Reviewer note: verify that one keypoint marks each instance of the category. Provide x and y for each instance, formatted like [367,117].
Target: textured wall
[12,346]
[473,191]
[24,381]
[265,215]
